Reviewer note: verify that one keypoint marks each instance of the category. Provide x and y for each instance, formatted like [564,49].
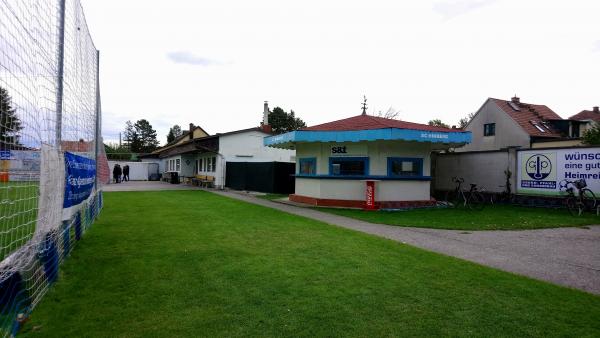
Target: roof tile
[586,115]
[367,122]
[528,114]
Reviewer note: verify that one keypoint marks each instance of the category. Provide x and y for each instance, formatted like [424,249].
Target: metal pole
[98,117]
[60,74]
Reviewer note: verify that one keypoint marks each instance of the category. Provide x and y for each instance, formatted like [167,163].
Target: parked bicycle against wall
[506,196]
[583,200]
[472,198]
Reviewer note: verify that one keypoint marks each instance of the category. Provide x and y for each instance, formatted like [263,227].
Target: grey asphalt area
[564,256]
[146,186]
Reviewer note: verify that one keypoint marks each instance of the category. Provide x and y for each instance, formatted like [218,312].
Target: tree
[174,133]
[438,123]
[592,136]
[147,137]
[391,113]
[282,122]
[10,125]
[462,123]
[116,152]
[131,137]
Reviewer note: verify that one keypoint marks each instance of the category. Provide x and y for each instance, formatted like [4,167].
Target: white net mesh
[49,144]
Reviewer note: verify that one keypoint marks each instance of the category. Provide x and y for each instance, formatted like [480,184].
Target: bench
[203,181]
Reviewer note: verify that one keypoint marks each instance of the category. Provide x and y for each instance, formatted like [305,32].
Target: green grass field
[492,217]
[191,263]
[18,213]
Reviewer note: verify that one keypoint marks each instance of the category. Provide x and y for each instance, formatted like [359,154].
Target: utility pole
[61,71]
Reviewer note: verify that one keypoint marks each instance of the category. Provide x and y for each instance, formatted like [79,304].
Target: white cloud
[596,47]
[192,59]
[454,8]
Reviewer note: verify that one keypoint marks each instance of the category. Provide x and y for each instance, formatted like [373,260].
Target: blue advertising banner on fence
[80,175]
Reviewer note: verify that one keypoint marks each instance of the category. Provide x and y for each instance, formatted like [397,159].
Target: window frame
[364,159]
[312,160]
[415,160]
[486,129]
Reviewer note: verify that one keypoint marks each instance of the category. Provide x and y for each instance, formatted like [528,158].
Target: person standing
[119,173]
[126,173]
[116,173]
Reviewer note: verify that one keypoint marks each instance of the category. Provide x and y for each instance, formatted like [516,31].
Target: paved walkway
[564,256]
[146,186]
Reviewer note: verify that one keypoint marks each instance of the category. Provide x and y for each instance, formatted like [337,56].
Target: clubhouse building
[366,161]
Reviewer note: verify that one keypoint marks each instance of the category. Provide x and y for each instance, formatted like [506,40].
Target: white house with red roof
[366,161]
[501,124]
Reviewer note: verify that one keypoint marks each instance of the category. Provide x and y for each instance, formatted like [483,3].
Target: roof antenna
[364,105]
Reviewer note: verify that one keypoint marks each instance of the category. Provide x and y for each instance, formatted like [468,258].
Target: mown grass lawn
[18,214]
[492,217]
[191,263]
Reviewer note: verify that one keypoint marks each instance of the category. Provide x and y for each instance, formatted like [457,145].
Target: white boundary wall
[484,168]
[138,171]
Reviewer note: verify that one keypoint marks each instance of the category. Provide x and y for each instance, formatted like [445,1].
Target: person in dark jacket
[116,174]
[126,173]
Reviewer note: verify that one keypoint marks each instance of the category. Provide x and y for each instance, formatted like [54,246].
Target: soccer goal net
[52,160]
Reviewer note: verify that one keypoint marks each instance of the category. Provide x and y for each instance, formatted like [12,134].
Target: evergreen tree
[131,137]
[174,133]
[147,137]
[282,122]
[10,125]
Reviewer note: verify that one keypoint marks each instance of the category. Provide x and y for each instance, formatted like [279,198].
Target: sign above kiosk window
[340,149]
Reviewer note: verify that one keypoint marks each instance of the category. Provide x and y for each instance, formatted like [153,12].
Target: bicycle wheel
[476,201]
[574,207]
[451,199]
[588,199]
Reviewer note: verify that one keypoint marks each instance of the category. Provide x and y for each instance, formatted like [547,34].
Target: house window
[214,164]
[349,166]
[489,129]
[308,166]
[177,165]
[405,167]
[200,168]
[538,126]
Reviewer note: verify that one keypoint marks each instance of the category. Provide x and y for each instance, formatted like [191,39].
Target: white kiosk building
[366,161]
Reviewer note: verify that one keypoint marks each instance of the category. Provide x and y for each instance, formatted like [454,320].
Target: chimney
[596,110]
[266,114]
[515,99]
[191,134]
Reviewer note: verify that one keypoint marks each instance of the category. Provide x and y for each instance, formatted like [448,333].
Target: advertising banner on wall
[544,172]
[80,176]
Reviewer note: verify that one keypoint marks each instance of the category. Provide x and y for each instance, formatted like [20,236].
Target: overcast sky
[213,63]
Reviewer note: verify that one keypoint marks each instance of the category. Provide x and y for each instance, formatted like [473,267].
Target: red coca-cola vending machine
[370,195]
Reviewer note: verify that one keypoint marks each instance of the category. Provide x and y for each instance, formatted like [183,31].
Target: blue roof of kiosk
[370,128]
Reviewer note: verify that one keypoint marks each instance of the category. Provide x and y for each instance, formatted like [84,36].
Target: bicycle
[506,196]
[472,198]
[584,200]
